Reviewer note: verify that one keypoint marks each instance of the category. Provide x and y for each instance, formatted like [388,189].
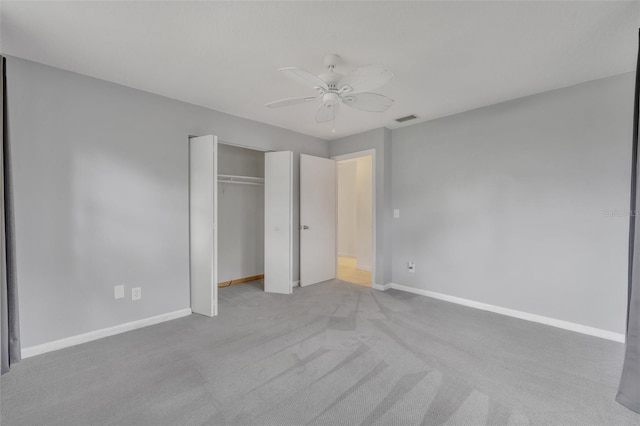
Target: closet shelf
[244,180]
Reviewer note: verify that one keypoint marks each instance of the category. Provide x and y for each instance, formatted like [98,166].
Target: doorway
[355,218]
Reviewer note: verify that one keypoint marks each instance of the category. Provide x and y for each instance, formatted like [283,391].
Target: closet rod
[251,180]
[240,183]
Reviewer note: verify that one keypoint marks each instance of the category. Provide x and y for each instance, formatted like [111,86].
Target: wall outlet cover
[396,213]
[118,292]
[136,293]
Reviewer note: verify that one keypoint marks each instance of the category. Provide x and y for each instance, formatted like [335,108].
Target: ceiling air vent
[406,118]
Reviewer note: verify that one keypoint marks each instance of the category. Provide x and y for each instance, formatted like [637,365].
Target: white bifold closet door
[203,219]
[278,222]
[317,219]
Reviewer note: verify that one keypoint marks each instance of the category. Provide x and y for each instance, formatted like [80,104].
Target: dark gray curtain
[629,391]
[10,332]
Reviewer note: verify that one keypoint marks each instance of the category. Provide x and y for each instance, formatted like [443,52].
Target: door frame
[374,222]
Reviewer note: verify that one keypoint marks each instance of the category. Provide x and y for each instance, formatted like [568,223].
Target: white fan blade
[327,112]
[289,101]
[305,77]
[371,102]
[364,79]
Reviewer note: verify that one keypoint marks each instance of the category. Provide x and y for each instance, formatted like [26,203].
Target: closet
[240,219]
[240,215]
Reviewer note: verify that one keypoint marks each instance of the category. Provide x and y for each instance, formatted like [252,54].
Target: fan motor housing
[332,79]
[330,98]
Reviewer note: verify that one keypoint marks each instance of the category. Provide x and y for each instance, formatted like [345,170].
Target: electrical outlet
[118,292]
[396,213]
[136,293]
[411,266]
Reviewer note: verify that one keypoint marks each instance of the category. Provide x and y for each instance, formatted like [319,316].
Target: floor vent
[406,118]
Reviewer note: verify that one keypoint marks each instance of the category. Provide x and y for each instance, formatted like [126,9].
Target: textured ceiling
[448,57]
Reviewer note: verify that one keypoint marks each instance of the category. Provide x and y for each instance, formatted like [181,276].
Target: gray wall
[346,209]
[520,205]
[380,140]
[101,196]
[235,160]
[240,215]
[515,204]
[364,213]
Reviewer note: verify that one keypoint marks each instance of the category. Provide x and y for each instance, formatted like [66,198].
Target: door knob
[304,227]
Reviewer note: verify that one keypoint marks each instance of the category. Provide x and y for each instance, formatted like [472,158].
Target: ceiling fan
[334,88]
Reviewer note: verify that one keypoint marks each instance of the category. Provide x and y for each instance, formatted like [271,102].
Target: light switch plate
[396,213]
[118,292]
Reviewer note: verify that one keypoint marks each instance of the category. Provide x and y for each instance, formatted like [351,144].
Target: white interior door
[278,222]
[317,219]
[203,211]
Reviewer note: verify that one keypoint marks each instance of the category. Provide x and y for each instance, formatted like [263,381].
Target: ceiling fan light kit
[334,88]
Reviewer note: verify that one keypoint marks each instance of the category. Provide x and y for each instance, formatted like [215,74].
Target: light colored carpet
[330,354]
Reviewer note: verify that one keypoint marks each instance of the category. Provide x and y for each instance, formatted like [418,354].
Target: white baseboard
[346,254]
[99,334]
[566,325]
[363,267]
[381,287]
